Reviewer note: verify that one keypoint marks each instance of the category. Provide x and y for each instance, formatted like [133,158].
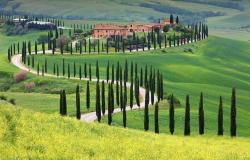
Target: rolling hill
[25,136]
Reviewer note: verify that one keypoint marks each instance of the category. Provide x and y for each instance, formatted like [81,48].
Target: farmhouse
[108,30]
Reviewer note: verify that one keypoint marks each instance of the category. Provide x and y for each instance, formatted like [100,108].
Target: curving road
[87,117]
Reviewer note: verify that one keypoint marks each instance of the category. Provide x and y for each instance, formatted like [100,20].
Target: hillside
[25,136]
[117,9]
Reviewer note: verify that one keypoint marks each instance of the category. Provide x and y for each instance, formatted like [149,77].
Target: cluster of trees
[151,79]
[122,101]
[201,117]
[153,40]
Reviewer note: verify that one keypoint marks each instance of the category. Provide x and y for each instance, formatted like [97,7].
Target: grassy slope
[25,136]
[215,66]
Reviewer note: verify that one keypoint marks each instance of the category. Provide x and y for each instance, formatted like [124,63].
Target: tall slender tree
[146,114]
[103,98]
[156,118]
[97,70]
[201,116]
[233,125]
[110,111]
[220,118]
[107,72]
[124,108]
[90,74]
[171,116]
[98,105]
[187,117]
[131,94]
[88,96]
[78,109]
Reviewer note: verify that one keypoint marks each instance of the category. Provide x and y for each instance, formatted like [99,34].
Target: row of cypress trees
[201,117]
[101,108]
[200,32]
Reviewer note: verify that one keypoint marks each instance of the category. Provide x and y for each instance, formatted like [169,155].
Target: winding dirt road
[87,117]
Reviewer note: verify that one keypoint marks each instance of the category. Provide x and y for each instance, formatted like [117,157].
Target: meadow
[189,69]
[24,135]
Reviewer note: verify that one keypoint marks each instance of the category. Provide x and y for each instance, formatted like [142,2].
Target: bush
[176,100]
[2,97]
[12,101]
[42,38]
[63,40]
[20,76]
[30,86]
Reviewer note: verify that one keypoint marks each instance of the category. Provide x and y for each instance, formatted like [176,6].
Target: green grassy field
[24,135]
[229,25]
[211,70]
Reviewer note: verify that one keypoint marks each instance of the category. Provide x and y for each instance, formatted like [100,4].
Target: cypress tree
[117,71]
[126,71]
[187,117]
[162,87]
[90,74]
[141,79]
[113,73]
[38,69]
[89,46]
[137,92]
[9,56]
[146,75]
[85,70]
[124,109]
[153,88]
[43,47]
[80,72]
[112,98]
[74,69]
[110,111]
[98,105]
[46,65]
[61,48]
[103,98]
[171,116]
[63,67]
[156,118]
[78,109]
[201,116]
[88,96]
[54,69]
[107,46]
[54,47]
[71,48]
[131,94]
[117,93]
[97,70]
[35,47]
[146,115]
[121,95]
[220,118]
[131,71]
[80,47]
[107,72]
[33,62]
[69,71]
[64,103]
[98,49]
[233,125]
[57,70]
[61,103]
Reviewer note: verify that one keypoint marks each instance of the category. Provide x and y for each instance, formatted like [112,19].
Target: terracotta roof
[109,27]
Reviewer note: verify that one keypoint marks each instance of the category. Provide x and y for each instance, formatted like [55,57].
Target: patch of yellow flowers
[28,135]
